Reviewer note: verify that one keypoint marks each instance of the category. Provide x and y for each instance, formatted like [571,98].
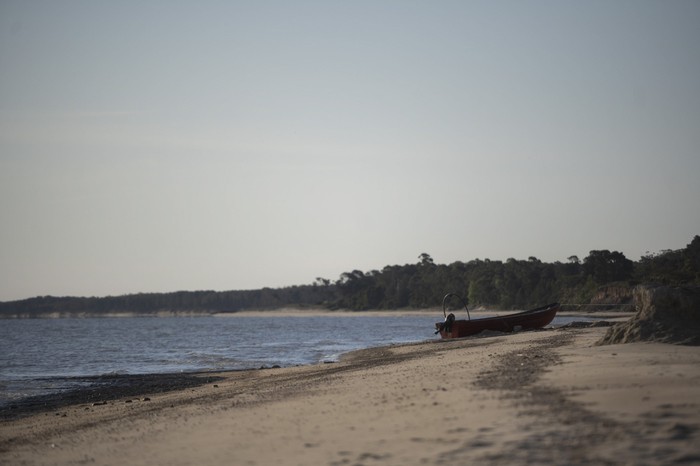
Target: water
[40,356]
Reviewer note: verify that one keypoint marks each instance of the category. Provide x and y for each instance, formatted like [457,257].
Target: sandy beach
[541,397]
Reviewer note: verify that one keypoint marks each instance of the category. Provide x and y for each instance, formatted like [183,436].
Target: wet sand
[542,397]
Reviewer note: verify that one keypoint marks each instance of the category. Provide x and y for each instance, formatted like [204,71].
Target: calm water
[38,356]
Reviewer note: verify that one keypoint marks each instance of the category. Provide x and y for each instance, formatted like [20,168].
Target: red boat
[532,319]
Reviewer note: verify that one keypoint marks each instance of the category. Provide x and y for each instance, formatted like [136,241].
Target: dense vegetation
[514,283]
[507,285]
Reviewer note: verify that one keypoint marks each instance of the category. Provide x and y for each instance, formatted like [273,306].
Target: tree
[425,259]
[691,259]
[320,281]
[605,266]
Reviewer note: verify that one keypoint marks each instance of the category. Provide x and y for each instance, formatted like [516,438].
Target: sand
[541,397]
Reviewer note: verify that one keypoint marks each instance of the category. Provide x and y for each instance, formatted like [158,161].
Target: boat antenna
[444,304]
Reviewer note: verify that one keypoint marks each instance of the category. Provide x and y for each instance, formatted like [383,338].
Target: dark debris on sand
[103,389]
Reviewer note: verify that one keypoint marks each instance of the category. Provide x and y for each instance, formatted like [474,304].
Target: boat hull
[532,319]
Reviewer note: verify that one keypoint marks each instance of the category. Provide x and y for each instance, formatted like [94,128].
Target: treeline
[180,301]
[513,284]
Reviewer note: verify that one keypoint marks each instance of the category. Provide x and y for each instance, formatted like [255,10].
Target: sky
[216,145]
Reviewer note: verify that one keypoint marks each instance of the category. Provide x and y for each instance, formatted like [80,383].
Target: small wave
[115,372]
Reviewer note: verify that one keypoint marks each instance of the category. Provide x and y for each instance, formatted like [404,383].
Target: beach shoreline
[306,312]
[547,397]
[108,386]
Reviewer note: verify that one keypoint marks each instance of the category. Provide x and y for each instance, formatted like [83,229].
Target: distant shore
[281,312]
[292,312]
[540,397]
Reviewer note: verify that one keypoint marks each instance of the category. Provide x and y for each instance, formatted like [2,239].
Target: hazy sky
[163,145]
